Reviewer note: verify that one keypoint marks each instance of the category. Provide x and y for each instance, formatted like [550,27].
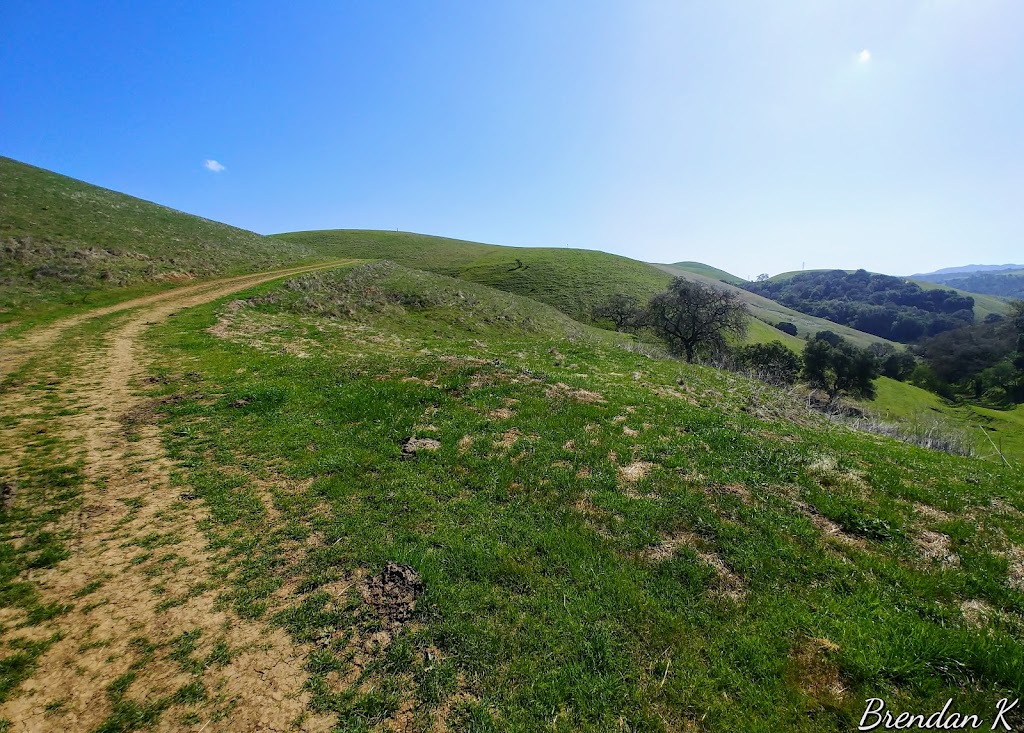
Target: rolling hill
[952,273]
[572,280]
[770,312]
[983,304]
[714,273]
[409,495]
[65,243]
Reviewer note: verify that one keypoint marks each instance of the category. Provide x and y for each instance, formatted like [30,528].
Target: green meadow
[607,540]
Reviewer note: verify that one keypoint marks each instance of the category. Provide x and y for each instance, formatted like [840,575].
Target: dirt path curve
[140,545]
[15,353]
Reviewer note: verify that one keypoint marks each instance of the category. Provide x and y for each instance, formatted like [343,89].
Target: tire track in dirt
[129,509]
[19,350]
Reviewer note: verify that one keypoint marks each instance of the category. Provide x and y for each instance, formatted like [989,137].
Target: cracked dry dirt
[127,496]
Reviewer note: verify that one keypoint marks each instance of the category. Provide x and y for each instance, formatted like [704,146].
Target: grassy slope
[708,271]
[572,280]
[65,243]
[767,310]
[559,594]
[909,404]
[983,304]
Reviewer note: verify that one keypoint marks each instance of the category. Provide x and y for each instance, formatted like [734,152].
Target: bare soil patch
[128,505]
[393,592]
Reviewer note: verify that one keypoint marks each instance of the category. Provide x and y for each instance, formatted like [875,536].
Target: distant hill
[572,280]
[882,305]
[947,273]
[772,312]
[714,273]
[65,242]
[984,305]
[1002,281]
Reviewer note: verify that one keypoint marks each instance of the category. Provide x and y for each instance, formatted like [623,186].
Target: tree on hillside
[694,318]
[898,365]
[771,362]
[840,369]
[787,327]
[1017,314]
[621,310]
[828,336]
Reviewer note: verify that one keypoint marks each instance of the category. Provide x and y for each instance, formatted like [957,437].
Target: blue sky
[754,136]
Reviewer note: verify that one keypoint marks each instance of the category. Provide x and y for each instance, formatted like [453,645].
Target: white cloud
[864,56]
[214,166]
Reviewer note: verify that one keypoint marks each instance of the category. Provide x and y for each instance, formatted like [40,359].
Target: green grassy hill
[65,243]
[919,409]
[572,280]
[768,311]
[693,550]
[708,271]
[983,304]
[451,506]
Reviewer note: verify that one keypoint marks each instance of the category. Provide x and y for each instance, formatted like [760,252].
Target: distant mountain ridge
[964,270]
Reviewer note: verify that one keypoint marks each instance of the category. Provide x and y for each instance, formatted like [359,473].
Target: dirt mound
[412,446]
[393,593]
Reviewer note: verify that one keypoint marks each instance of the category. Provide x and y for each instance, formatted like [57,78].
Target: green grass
[66,245]
[571,280]
[768,311]
[1005,427]
[543,608]
[708,271]
[912,405]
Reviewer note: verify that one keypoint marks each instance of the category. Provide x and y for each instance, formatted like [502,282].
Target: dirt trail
[135,537]
[17,352]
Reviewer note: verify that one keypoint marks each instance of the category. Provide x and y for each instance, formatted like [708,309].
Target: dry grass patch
[507,439]
[1015,568]
[814,674]
[976,613]
[634,472]
[936,547]
[564,391]
[728,584]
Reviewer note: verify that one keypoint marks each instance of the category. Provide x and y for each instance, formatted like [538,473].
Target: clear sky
[755,136]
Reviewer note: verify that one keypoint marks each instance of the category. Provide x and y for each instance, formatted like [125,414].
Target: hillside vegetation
[667,532]
[881,305]
[984,305]
[572,280]
[1004,281]
[700,268]
[64,243]
[403,493]
[1003,284]
[772,312]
